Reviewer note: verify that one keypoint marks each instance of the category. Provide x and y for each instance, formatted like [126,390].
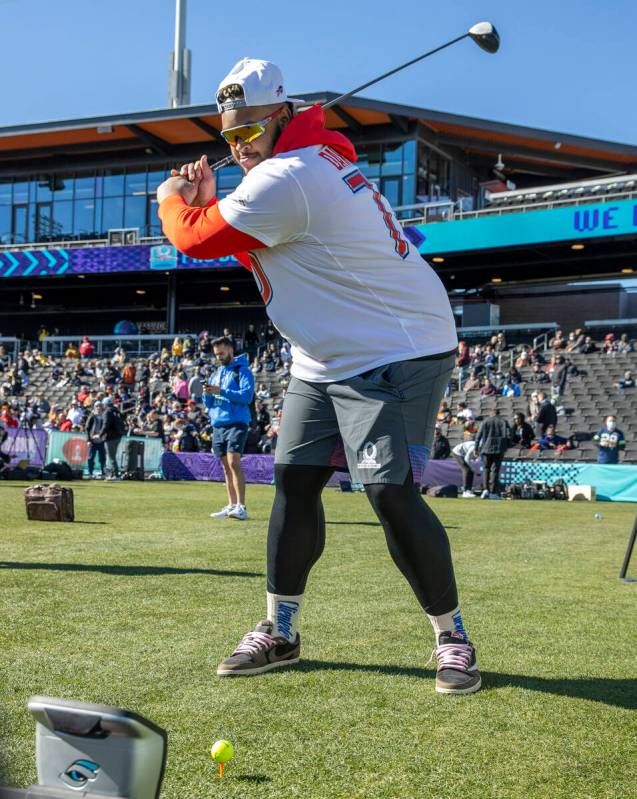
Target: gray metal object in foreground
[180,62]
[484,34]
[94,751]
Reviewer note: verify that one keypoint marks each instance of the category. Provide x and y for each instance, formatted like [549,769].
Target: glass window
[63,218]
[6,189]
[5,224]
[391,191]
[409,190]
[409,156]
[43,222]
[113,213]
[21,192]
[135,215]
[135,183]
[84,188]
[369,161]
[20,223]
[392,159]
[83,218]
[43,189]
[62,188]
[113,184]
[99,231]
[155,178]
[154,223]
[229,178]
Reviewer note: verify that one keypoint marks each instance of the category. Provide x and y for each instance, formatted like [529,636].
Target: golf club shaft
[229,159]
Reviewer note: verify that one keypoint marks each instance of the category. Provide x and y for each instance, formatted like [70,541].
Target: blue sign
[99,260]
[569,223]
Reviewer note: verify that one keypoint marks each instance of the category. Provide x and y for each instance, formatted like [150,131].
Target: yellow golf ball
[221,751]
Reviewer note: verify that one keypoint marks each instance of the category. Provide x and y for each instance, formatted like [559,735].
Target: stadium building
[524,226]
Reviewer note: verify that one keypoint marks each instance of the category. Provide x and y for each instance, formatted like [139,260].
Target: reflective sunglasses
[249,132]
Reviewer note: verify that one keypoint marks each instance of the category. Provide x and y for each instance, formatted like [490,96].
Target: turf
[136,603]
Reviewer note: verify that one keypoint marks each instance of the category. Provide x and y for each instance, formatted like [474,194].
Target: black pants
[467,473]
[492,464]
[416,539]
[97,448]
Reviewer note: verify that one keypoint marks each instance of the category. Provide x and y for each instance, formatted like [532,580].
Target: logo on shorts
[368,460]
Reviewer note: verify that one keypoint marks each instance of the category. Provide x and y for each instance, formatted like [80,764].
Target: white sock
[448,622]
[285,614]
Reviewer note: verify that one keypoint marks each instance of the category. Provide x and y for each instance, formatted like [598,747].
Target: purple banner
[26,445]
[260,469]
[94,260]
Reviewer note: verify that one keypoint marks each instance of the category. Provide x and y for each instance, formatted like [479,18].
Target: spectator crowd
[162,396]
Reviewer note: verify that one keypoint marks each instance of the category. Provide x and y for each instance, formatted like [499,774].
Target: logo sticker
[285,611]
[79,773]
[368,459]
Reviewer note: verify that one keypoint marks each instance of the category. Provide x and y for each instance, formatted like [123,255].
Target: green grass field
[136,602]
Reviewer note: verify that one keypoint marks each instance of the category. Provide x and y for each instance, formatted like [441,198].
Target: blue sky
[564,65]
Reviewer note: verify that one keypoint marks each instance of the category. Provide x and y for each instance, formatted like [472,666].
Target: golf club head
[485,36]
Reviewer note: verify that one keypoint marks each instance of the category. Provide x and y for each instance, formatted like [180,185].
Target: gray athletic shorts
[378,424]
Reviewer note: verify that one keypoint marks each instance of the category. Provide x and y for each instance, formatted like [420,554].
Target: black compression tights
[416,539]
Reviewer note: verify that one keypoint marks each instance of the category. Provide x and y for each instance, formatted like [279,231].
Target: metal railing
[106,345]
[12,343]
[69,244]
[484,331]
[420,213]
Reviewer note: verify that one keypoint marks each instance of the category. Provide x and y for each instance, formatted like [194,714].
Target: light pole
[180,61]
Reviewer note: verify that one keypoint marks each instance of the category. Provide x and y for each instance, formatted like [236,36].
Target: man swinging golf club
[329,256]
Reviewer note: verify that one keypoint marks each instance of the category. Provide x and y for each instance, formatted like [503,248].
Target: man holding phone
[227,396]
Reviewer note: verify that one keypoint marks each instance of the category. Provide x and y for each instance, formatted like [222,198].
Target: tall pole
[180,59]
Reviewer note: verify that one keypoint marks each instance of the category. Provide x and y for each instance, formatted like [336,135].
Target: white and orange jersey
[337,275]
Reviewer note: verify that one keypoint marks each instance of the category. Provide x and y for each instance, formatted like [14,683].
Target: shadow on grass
[84,521]
[257,779]
[609,691]
[123,571]
[378,524]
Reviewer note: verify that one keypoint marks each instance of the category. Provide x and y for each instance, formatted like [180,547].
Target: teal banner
[615,483]
[589,221]
[73,448]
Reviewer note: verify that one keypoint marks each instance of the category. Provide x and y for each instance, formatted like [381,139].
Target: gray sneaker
[259,652]
[457,667]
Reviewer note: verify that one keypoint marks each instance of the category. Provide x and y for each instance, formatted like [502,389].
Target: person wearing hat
[327,252]
[96,447]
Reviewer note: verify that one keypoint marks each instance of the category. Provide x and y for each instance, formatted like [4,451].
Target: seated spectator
[151,426]
[551,441]
[179,386]
[440,449]
[589,346]
[624,345]
[523,358]
[285,356]
[463,414]
[263,392]
[269,439]
[522,431]
[488,389]
[72,351]
[75,413]
[185,438]
[8,418]
[510,389]
[490,359]
[195,385]
[627,382]
[500,343]
[473,382]
[205,343]
[610,441]
[256,366]
[463,359]
[86,348]
[575,341]
[610,344]
[558,342]
[444,413]
[538,375]
[129,374]
[5,359]
[477,359]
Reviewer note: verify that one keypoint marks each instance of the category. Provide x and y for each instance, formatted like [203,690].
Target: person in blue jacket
[228,396]
[610,441]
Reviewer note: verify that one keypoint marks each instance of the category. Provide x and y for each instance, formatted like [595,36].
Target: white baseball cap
[261,82]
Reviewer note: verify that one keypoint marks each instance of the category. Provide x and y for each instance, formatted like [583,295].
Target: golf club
[484,34]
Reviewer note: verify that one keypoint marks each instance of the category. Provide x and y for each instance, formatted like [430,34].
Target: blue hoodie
[232,406]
